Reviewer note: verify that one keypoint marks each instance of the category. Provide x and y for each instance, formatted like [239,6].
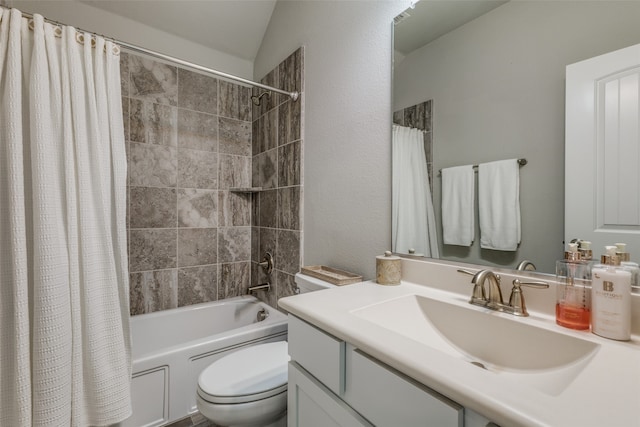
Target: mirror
[486,81]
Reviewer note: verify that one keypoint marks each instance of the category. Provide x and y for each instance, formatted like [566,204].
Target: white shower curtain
[413,219]
[64,328]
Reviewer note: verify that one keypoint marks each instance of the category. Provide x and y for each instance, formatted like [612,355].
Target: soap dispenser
[611,298]
[573,303]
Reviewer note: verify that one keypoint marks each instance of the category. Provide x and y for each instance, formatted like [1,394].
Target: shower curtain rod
[293,95]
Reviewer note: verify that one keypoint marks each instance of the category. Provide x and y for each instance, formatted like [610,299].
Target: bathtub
[172,347]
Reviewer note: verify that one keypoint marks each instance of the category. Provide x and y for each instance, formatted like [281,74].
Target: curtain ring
[80,37]
[57,31]
[93,41]
[31,24]
[116,50]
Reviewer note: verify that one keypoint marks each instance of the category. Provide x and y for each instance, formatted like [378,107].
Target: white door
[602,151]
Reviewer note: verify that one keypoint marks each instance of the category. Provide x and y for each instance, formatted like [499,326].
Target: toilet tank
[309,284]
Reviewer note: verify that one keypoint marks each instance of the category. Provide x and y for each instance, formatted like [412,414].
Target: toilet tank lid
[251,370]
[308,283]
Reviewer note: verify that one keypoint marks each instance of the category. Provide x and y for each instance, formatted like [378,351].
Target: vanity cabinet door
[318,352]
[313,405]
[388,398]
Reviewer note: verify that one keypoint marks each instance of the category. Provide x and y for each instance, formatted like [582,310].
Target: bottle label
[608,289]
[611,303]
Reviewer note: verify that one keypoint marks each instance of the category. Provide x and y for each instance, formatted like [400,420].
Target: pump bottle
[573,298]
[611,298]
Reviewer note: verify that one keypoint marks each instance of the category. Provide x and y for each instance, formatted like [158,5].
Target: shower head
[257,99]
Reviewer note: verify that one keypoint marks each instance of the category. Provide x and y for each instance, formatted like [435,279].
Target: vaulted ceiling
[235,27]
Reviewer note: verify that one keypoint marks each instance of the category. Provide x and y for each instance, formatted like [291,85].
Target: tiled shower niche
[189,141]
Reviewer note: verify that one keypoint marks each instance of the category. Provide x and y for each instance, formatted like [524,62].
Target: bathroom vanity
[332,383]
[419,354]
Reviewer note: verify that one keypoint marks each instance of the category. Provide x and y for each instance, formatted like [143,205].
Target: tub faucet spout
[261,287]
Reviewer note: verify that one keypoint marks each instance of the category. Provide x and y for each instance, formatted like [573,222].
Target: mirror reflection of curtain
[413,219]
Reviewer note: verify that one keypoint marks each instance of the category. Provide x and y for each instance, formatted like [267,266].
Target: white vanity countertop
[605,393]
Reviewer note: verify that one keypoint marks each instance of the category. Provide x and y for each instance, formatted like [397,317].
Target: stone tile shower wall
[189,141]
[277,167]
[420,116]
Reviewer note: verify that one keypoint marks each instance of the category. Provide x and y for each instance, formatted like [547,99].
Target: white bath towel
[457,205]
[499,205]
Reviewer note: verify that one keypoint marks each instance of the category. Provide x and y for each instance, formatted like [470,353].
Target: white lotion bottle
[611,298]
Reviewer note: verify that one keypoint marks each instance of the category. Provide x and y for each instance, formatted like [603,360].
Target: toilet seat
[248,375]
[246,398]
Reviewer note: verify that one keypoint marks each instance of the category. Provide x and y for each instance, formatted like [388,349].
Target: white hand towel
[499,205]
[457,205]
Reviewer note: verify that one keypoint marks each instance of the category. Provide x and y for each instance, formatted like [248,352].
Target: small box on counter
[331,275]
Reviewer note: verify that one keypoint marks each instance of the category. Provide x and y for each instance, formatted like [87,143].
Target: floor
[195,420]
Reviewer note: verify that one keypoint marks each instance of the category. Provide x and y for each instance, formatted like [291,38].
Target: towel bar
[521,162]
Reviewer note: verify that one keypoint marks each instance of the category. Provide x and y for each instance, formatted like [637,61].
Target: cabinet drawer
[318,352]
[407,403]
[310,404]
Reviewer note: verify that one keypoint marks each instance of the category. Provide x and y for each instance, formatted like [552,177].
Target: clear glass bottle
[611,298]
[573,302]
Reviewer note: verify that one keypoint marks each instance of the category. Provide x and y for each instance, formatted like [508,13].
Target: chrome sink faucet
[494,293]
[492,298]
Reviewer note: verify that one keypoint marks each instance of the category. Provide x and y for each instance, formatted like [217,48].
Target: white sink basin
[545,360]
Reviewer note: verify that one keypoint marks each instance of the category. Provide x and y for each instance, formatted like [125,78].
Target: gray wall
[347,163]
[498,89]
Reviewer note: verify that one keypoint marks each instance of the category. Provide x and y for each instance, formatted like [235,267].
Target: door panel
[602,153]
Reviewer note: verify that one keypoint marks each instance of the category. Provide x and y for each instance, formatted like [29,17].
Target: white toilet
[249,387]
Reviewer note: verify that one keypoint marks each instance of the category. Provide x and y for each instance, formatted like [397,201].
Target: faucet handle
[539,285]
[470,273]
[516,300]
